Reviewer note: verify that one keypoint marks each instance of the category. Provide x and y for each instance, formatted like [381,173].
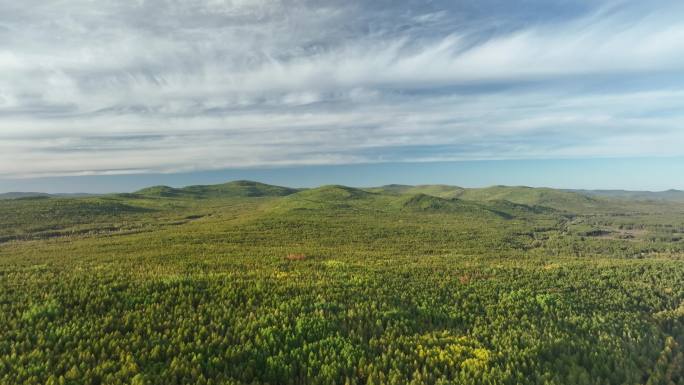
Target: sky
[114,95]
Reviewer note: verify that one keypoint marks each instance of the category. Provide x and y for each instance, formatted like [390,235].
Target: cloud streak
[168,86]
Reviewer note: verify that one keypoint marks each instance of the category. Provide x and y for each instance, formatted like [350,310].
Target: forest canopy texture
[247,283]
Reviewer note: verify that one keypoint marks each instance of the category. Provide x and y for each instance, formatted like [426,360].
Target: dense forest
[246,283]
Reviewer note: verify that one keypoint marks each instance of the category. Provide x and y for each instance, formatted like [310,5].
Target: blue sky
[654,174]
[107,95]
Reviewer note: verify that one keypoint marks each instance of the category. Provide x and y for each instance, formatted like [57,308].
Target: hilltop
[545,197]
[669,195]
[240,188]
[483,210]
[561,199]
[440,191]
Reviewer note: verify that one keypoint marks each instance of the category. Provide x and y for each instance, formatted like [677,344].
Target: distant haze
[653,174]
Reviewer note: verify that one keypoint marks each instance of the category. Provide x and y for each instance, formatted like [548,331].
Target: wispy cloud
[168,86]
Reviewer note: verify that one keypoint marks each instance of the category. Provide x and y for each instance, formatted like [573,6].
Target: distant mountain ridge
[563,199]
[668,195]
[436,190]
[20,195]
[239,188]
[38,195]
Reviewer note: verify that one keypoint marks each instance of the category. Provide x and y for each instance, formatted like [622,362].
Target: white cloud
[166,86]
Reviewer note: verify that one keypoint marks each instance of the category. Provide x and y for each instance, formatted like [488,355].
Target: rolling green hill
[246,283]
[564,200]
[669,195]
[43,217]
[424,202]
[332,197]
[332,193]
[546,197]
[227,190]
[440,191]
[159,191]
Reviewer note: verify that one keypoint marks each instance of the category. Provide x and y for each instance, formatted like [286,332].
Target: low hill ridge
[671,195]
[438,190]
[532,196]
[239,188]
[20,195]
[161,191]
[334,191]
[425,202]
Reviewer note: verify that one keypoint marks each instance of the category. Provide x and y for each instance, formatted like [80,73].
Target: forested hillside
[246,283]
